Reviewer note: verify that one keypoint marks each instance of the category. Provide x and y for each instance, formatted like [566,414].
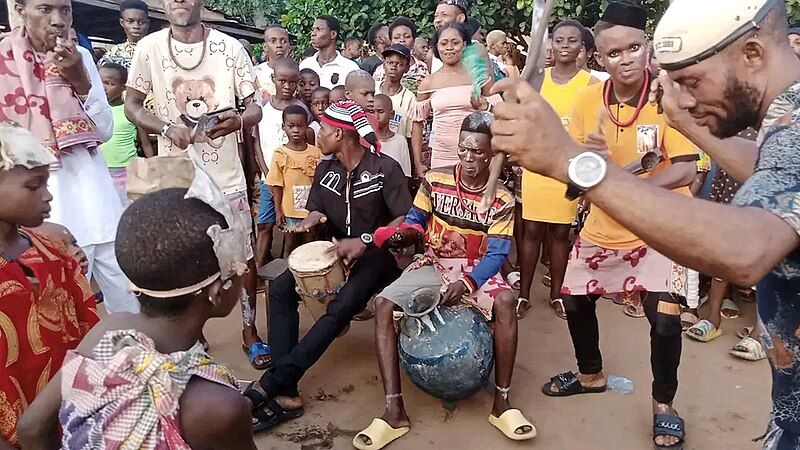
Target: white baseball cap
[694,30]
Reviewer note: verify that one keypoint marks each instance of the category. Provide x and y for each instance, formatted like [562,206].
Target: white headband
[175,292]
[231,245]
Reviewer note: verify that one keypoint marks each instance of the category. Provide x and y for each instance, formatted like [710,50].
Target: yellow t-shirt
[543,198]
[294,171]
[626,146]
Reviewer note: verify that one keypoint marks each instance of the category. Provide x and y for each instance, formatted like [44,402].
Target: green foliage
[513,16]
[793,8]
[259,13]
[356,17]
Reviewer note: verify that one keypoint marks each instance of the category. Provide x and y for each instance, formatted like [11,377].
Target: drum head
[312,257]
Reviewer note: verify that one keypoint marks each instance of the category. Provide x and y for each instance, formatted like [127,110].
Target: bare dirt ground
[725,401]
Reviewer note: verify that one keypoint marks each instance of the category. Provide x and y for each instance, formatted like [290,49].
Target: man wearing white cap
[730,67]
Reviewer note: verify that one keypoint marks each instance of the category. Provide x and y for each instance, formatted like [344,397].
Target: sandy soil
[725,401]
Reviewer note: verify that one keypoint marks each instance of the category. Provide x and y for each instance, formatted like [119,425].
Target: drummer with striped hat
[355,191]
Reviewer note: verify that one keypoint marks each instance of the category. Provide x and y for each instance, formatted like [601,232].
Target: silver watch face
[367,238]
[587,170]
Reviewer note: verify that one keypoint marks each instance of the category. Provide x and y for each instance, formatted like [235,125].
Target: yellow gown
[543,198]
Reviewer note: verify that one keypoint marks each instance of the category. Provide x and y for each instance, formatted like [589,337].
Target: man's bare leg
[505,349]
[388,360]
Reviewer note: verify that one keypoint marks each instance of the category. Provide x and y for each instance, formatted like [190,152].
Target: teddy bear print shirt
[220,73]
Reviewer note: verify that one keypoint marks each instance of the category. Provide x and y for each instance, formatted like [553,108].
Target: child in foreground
[291,175]
[163,381]
[46,304]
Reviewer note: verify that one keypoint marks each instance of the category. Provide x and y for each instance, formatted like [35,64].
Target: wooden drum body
[318,273]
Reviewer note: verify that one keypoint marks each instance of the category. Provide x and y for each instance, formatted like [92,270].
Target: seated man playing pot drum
[354,194]
[464,252]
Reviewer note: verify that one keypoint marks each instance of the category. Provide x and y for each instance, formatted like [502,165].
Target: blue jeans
[266,206]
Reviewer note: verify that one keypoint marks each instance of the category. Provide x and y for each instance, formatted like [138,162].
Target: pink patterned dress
[126,396]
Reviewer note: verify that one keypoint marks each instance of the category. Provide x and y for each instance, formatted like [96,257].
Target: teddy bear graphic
[193,98]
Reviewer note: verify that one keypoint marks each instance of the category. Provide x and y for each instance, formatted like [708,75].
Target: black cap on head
[794,30]
[398,49]
[625,13]
[463,5]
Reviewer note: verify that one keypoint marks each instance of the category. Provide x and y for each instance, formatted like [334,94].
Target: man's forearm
[251,115]
[677,175]
[397,221]
[739,245]
[144,143]
[142,118]
[737,156]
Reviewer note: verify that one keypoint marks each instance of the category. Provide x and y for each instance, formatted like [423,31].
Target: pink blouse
[450,106]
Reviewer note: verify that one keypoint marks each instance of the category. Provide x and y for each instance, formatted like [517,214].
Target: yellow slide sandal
[379,433]
[511,421]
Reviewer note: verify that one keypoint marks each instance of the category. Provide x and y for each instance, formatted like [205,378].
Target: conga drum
[318,273]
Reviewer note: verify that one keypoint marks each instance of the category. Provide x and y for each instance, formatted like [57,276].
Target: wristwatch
[585,172]
[165,129]
[368,239]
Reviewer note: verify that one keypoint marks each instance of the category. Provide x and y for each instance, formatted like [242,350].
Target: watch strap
[573,191]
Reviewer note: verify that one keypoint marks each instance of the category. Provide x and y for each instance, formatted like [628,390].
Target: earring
[227,285]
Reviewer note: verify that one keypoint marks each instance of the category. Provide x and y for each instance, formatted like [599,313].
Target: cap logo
[669,45]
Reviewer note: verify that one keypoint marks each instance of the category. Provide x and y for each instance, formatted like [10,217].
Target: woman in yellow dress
[546,213]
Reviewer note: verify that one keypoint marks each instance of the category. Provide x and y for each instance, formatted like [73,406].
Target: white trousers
[113,283]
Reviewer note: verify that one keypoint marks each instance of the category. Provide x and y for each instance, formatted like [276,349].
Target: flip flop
[635,310]
[669,425]
[745,332]
[364,315]
[729,305]
[257,350]
[510,421]
[749,349]
[513,279]
[568,384]
[688,319]
[704,331]
[619,298]
[380,433]
[522,310]
[271,414]
[558,307]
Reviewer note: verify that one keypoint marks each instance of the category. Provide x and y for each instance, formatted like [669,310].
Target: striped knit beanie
[347,115]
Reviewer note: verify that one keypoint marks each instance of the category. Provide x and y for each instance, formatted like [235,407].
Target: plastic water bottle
[620,384]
